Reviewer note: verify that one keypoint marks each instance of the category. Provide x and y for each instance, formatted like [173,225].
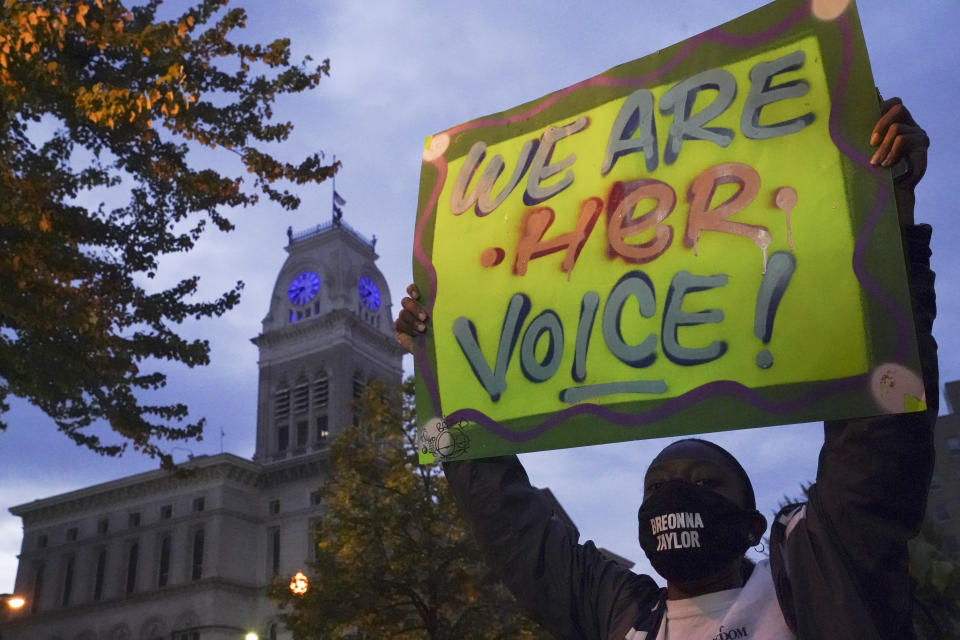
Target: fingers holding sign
[902,144]
[897,135]
[411,322]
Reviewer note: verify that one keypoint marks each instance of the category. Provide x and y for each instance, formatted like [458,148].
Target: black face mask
[690,532]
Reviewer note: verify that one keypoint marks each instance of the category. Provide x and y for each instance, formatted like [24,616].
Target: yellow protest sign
[688,242]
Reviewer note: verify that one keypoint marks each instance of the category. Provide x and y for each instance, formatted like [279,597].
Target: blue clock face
[304,288]
[369,293]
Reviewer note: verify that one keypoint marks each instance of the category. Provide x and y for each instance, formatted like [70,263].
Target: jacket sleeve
[870,495]
[567,587]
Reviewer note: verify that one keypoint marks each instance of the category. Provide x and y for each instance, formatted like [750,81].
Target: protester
[838,563]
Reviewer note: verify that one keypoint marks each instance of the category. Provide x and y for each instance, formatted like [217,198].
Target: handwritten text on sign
[636,252]
[664,179]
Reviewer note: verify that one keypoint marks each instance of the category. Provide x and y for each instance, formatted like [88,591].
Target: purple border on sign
[713,389]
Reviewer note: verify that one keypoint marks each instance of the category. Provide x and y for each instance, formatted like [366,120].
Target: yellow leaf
[44,223]
[33,18]
[82,10]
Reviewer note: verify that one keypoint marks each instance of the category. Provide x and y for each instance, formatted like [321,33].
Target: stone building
[188,555]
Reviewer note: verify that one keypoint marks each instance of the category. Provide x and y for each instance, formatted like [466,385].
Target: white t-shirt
[751,612]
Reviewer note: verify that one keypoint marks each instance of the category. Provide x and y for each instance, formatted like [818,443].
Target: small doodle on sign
[444,441]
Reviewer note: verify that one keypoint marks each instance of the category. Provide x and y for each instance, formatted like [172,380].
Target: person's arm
[569,588]
[870,495]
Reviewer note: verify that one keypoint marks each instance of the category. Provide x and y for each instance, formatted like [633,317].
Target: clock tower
[328,333]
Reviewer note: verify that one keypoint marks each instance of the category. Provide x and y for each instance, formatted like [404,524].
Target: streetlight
[10,605]
[299,584]
[251,636]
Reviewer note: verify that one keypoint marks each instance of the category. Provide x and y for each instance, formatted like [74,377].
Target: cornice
[338,318]
[224,466]
[312,465]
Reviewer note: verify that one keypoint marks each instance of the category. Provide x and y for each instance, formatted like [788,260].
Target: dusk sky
[401,71]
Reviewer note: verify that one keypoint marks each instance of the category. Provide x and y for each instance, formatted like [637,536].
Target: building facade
[189,554]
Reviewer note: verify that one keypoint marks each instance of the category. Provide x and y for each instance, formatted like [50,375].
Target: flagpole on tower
[337,201]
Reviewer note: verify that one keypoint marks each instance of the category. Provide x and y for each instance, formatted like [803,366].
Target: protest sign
[689,242]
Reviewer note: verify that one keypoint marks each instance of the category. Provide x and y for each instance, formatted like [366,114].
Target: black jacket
[840,573]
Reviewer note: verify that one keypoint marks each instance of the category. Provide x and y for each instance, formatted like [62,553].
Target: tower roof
[324,228]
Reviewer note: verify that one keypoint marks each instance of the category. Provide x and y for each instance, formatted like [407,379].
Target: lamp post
[10,604]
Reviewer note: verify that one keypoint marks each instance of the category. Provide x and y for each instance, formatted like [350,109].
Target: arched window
[275,552]
[358,386]
[99,575]
[321,391]
[37,586]
[133,556]
[69,563]
[301,397]
[154,629]
[163,572]
[281,404]
[196,566]
[120,632]
[281,417]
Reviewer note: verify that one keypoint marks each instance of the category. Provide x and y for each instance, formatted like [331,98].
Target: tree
[101,101]
[394,559]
